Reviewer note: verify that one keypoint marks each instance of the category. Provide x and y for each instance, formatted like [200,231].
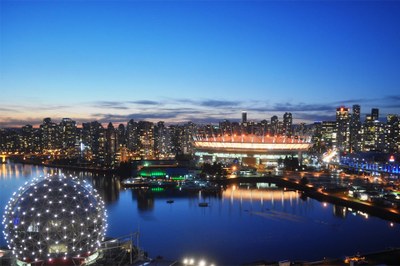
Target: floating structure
[55,220]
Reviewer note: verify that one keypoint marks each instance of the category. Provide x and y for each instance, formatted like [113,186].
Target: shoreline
[309,191]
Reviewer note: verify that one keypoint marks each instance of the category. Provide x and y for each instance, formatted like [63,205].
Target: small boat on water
[135,182]
[190,186]
[170,201]
[203,204]
[162,183]
[199,185]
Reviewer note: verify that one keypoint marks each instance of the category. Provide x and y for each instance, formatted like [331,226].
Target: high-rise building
[27,139]
[146,139]
[287,124]
[274,129]
[121,135]
[373,134]
[355,129]
[392,134]
[189,130]
[375,114]
[328,133]
[68,134]
[132,139]
[93,137]
[111,145]
[50,135]
[161,141]
[244,117]
[342,141]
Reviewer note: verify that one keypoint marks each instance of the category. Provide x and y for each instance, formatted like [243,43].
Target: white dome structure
[54,218]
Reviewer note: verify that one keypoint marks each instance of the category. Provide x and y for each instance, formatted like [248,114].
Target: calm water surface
[246,223]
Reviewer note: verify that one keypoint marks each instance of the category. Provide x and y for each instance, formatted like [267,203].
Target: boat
[135,182]
[162,184]
[203,204]
[170,201]
[210,187]
[190,186]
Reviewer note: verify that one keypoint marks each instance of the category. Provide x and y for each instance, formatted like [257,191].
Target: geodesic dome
[54,217]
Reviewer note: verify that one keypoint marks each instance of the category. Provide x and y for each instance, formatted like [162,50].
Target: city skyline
[196,61]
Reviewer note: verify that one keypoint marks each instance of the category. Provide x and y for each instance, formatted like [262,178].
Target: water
[246,223]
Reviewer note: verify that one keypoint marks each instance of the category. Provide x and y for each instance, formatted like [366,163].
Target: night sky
[200,61]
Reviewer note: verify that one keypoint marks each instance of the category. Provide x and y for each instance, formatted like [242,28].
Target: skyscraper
[392,134]
[287,124]
[274,125]
[50,135]
[244,117]
[343,129]
[111,144]
[132,139]
[355,129]
[375,114]
[68,135]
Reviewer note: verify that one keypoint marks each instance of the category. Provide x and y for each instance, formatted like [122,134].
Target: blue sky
[202,61]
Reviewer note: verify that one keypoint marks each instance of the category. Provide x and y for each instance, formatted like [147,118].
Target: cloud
[52,107]
[145,102]
[159,114]
[110,104]
[293,107]
[206,102]
[9,122]
[314,117]
[199,110]
[5,109]
[218,103]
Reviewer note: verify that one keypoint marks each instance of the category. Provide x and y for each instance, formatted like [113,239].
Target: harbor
[264,218]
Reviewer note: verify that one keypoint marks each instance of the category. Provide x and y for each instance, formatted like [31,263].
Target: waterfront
[245,223]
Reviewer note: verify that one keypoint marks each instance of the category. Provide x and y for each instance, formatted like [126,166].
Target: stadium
[250,150]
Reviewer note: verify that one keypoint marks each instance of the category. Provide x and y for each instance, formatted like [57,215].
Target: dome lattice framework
[54,217]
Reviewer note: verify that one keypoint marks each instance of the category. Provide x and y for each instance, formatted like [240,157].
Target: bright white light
[33,215]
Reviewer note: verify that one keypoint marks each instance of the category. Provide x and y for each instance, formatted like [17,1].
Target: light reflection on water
[243,223]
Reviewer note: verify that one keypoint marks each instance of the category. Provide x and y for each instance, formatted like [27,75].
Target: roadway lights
[192,261]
